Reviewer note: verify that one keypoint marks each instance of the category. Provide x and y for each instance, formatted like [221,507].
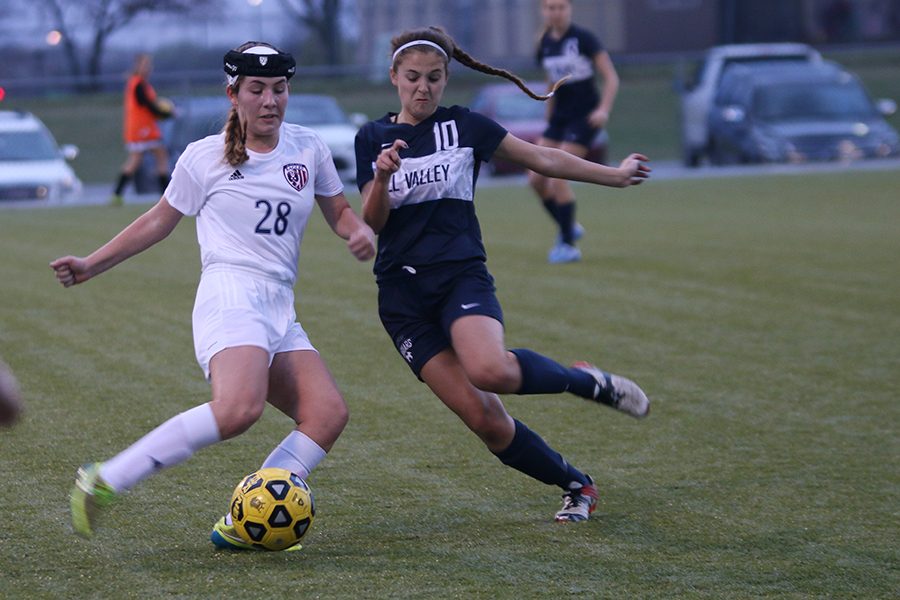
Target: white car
[697,96]
[32,165]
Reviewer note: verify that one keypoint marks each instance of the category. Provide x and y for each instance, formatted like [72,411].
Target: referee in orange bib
[142,110]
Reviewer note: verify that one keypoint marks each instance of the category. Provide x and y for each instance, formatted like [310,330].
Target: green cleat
[225,537]
[89,494]
[116,200]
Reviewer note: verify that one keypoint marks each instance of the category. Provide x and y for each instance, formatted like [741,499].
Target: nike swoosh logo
[468,306]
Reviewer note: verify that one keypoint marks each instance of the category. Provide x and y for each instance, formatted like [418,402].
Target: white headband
[417,43]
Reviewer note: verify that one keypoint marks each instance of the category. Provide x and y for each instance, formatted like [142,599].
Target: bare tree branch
[105,18]
[322,17]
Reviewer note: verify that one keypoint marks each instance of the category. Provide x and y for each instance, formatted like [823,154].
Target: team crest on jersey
[297,175]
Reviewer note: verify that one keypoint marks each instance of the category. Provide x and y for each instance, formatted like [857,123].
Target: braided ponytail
[235,139]
[465,59]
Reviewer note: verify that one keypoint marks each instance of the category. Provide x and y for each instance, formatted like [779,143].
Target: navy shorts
[418,308]
[574,131]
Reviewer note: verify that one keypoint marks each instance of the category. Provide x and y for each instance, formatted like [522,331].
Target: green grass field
[761,316]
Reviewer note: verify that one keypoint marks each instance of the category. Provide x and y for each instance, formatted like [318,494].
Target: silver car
[697,95]
[32,166]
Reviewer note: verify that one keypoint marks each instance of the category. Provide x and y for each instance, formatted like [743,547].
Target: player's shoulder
[205,150]
[295,131]
[582,33]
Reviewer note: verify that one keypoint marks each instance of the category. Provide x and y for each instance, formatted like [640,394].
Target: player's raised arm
[376,204]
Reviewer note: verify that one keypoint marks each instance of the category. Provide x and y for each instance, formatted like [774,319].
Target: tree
[103,18]
[323,18]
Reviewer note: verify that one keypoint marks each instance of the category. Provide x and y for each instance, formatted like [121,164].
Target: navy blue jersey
[572,54]
[432,218]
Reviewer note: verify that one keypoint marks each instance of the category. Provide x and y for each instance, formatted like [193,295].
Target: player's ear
[393,75]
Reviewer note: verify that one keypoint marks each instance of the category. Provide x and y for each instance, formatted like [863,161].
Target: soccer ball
[272,509]
[166,106]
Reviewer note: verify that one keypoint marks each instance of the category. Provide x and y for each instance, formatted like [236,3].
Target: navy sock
[551,207]
[567,222]
[530,454]
[163,181]
[121,183]
[541,375]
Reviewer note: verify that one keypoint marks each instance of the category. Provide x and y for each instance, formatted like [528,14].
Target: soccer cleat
[578,503]
[89,494]
[116,200]
[577,233]
[224,536]
[563,253]
[617,392]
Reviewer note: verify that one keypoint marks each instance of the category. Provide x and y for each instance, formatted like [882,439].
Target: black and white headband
[259,61]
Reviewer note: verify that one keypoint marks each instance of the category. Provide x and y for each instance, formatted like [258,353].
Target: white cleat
[616,391]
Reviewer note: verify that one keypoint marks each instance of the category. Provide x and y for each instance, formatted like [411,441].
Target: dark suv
[782,112]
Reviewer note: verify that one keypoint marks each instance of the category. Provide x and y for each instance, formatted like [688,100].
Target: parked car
[523,117]
[32,165]
[200,116]
[775,112]
[697,94]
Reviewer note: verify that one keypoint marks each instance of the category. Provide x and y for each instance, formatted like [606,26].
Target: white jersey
[253,216]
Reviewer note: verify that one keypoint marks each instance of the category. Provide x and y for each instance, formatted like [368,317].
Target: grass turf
[761,316]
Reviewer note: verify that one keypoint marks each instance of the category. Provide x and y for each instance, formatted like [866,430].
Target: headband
[417,43]
[260,61]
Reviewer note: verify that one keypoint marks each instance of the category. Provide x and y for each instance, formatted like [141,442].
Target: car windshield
[519,107]
[27,145]
[804,101]
[318,111]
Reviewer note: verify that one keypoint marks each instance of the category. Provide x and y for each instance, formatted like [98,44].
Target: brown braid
[235,137]
[235,130]
[443,39]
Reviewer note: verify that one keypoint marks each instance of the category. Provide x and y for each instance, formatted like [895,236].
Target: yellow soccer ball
[272,509]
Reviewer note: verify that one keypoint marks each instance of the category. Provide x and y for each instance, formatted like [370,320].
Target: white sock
[173,442]
[297,453]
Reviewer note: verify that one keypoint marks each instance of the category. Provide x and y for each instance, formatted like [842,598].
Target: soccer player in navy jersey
[576,113]
[417,171]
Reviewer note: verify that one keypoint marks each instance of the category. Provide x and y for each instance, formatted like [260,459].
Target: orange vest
[140,122]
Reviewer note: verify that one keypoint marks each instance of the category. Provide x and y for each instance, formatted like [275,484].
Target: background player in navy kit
[252,188]
[417,171]
[576,113]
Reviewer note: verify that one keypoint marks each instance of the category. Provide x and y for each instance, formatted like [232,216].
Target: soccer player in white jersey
[576,114]
[252,189]
[417,171]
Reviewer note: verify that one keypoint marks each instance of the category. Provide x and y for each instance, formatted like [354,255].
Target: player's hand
[598,118]
[388,162]
[362,242]
[10,397]
[70,270]
[633,170]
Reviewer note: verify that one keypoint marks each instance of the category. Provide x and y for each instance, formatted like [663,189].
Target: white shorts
[143,146]
[237,308]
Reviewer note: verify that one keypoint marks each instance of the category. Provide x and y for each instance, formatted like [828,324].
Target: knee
[498,376]
[234,419]
[536,181]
